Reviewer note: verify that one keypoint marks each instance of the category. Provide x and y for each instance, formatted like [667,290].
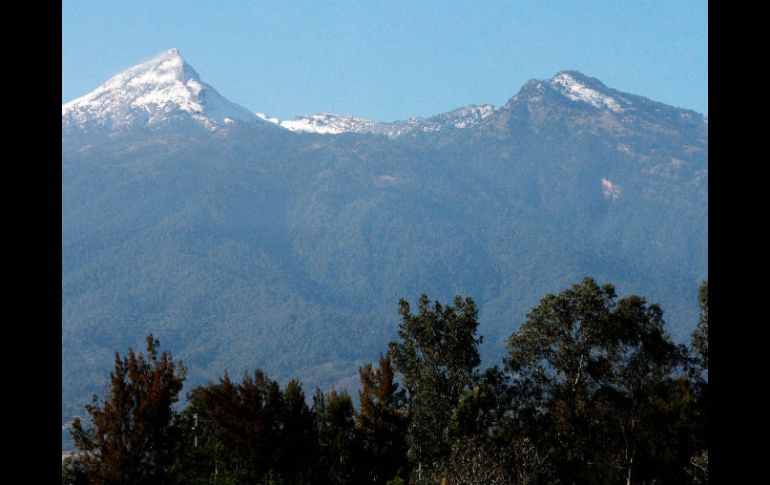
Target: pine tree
[130,432]
[700,337]
[198,453]
[299,436]
[382,422]
[246,418]
[338,439]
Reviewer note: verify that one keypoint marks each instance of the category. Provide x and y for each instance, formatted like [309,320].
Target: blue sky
[388,60]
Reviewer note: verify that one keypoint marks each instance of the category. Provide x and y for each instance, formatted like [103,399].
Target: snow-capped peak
[575,89]
[162,88]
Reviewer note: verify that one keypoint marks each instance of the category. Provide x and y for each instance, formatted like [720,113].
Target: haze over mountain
[245,241]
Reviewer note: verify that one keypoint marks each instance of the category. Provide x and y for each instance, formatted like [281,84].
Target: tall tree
[478,454]
[700,337]
[643,397]
[130,432]
[698,465]
[198,453]
[437,355]
[338,439]
[246,432]
[246,419]
[600,371]
[299,436]
[556,359]
[382,422]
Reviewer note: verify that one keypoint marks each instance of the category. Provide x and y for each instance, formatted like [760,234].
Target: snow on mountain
[264,117]
[575,89]
[335,124]
[156,91]
[464,117]
[165,89]
[470,115]
[327,124]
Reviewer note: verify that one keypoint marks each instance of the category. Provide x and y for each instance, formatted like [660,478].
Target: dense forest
[254,246]
[592,390]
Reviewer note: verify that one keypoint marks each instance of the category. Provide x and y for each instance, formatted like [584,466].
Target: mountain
[245,243]
[326,124]
[330,124]
[161,91]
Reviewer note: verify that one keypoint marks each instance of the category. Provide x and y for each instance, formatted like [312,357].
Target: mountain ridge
[251,245]
[157,90]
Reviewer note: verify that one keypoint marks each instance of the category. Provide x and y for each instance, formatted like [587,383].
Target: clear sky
[388,60]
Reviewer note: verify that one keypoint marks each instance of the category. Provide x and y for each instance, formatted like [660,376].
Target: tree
[556,360]
[475,461]
[700,337]
[596,375]
[246,432]
[338,438]
[437,355]
[246,418]
[199,455]
[382,422]
[130,434]
[643,397]
[480,409]
[299,436]
[698,469]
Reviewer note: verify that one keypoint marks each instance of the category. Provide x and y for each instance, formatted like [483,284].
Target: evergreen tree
[247,432]
[299,437]
[246,420]
[130,433]
[199,455]
[700,337]
[382,422]
[338,439]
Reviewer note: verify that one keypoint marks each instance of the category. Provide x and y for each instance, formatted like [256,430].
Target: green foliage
[396,481]
[200,457]
[199,235]
[437,355]
[339,441]
[299,436]
[382,422]
[593,390]
[247,432]
[698,470]
[474,461]
[480,409]
[604,374]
